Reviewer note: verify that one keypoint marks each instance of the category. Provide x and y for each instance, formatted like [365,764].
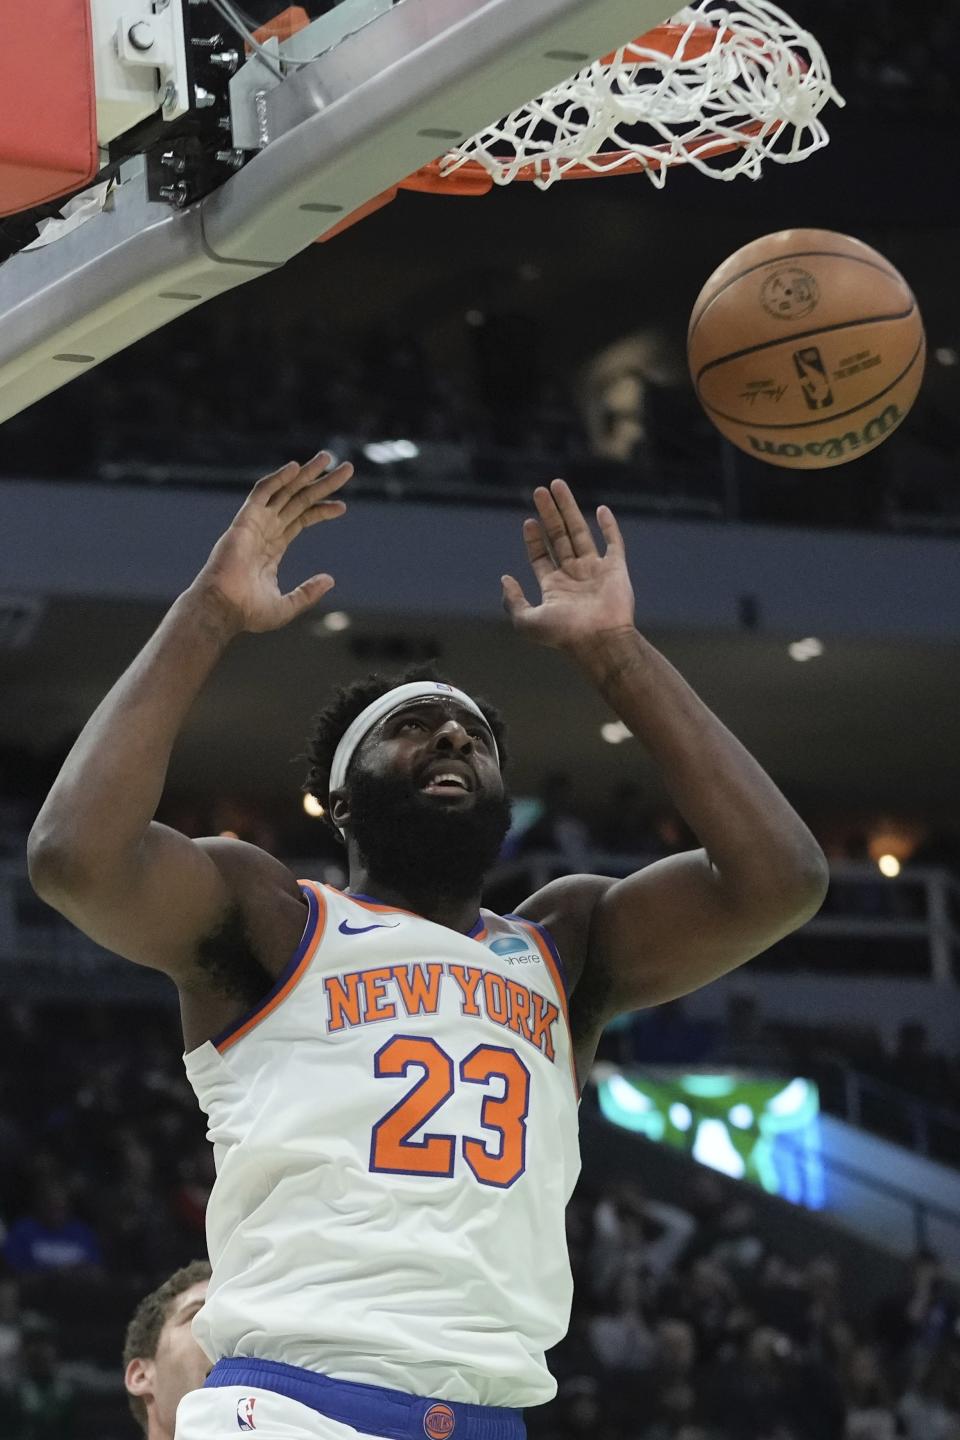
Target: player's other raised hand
[584,592]
[243,565]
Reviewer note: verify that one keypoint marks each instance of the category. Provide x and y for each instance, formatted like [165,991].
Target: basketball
[806,349]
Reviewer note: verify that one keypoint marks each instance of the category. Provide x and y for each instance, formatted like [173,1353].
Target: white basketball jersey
[395,1135]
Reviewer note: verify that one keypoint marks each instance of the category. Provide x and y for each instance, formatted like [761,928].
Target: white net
[730,87]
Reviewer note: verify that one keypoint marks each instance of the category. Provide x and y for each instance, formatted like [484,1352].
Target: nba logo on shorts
[439,1422]
[245,1419]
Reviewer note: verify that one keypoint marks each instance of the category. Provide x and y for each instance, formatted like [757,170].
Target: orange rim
[472,178]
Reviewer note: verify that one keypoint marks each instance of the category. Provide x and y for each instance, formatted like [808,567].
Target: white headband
[386,705]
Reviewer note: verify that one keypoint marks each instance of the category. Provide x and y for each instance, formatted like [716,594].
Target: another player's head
[372,754]
[162,1361]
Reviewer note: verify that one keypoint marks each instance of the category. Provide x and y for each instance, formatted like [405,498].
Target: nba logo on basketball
[245,1420]
[439,1422]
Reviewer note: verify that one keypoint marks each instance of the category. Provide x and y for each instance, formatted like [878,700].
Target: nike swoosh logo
[347,929]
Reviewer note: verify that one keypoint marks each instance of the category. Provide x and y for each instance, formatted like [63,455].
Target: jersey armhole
[291,975]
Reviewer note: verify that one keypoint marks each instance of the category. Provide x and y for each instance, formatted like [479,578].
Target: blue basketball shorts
[282,1402]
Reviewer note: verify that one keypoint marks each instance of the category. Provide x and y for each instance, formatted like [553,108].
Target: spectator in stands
[624,826]
[162,1361]
[196,1175]
[915,1067]
[10,1331]
[130,1220]
[631,1230]
[668,1035]
[732,1240]
[829,1334]
[705,1294]
[912,1323]
[673,835]
[39,1405]
[746,1040]
[559,829]
[667,1393]
[930,1409]
[770,1387]
[780,1299]
[52,1238]
[620,1336]
[870,1414]
[581,1414]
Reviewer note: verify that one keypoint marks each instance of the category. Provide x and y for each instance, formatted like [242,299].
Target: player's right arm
[95,852]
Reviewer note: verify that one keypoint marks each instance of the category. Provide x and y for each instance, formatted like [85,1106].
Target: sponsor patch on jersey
[245,1420]
[439,1422]
[509,945]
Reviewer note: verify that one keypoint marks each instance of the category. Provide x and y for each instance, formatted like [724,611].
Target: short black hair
[349,701]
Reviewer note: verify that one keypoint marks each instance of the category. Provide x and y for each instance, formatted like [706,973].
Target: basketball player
[161,1360]
[391,1073]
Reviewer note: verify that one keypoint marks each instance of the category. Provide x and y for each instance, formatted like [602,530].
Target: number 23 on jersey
[493,1161]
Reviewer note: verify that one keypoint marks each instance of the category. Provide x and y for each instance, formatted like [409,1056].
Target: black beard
[425,851]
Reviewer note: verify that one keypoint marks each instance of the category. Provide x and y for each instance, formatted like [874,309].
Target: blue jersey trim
[370,899]
[371,1409]
[313,911]
[548,939]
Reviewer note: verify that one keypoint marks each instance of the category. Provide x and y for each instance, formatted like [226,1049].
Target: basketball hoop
[719,80]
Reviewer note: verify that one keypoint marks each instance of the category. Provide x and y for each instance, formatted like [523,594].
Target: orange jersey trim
[288,982]
[549,960]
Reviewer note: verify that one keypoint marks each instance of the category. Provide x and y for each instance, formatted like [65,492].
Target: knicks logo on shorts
[439,1422]
[245,1420]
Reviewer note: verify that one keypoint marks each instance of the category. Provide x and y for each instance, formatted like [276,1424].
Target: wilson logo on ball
[835,447]
[806,348]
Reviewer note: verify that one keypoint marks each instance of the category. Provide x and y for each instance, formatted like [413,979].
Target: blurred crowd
[104,1179]
[559,831]
[216,405]
[688,1324]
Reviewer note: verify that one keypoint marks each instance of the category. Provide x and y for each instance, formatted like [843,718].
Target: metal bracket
[140,63]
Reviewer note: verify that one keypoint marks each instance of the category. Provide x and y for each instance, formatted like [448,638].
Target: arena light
[947,356]
[809,649]
[388,452]
[336,622]
[889,866]
[313,807]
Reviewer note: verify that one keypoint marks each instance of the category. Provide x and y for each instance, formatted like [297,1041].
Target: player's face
[430,740]
[179,1365]
[428,808]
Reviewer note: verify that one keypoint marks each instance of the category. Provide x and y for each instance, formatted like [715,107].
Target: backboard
[377,92]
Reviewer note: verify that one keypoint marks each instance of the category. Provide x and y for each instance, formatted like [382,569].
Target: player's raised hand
[243,564]
[583,593]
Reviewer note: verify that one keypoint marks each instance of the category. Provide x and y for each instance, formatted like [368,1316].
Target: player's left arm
[760,874]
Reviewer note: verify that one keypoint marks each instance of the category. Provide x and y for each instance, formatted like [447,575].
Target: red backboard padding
[48,118]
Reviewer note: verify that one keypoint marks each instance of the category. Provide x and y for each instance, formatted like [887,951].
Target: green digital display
[764,1129]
